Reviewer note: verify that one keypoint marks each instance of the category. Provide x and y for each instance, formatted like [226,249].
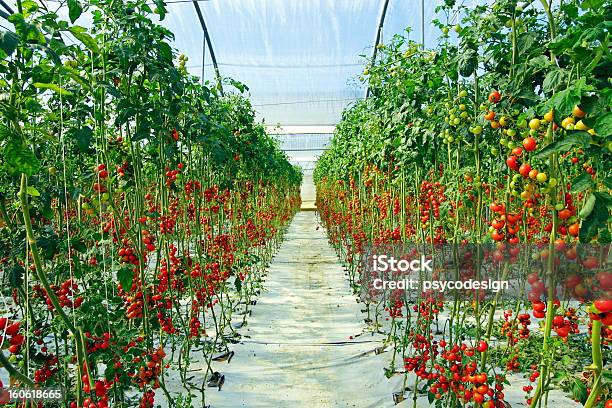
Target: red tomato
[603,305]
[530,144]
[494,97]
[524,170]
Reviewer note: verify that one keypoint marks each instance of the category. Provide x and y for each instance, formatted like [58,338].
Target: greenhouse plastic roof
[300,58]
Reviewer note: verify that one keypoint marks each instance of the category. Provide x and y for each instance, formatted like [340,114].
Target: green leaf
[8,42]
[52,87]
[20,159]
[603,126]
[80,34]
[468,62]
[74,10]
[83,137]
[574,138]
[579,391]
[598,217]
[591,4]
[564,101]
[160,8]
[588,207]
[16,276]
[125,277]
[33,191]
[581,183]
[554,79]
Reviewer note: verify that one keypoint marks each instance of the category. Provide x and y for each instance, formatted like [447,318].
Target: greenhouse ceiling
[300,59]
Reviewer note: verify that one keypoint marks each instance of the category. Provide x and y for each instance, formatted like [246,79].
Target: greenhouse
[315,203]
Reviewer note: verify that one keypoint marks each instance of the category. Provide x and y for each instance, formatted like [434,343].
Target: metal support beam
[7,7]
[423,23]
[203,57]
[381,23]
[210,48]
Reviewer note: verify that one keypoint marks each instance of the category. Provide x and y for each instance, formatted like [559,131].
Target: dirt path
[296,350]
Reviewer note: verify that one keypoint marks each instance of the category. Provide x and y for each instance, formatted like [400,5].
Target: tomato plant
[499,140]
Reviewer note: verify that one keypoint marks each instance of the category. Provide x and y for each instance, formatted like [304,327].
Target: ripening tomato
[605,280]
[524,170]
[512,162]
[574,229]
[517,151]
[538,306]
[563,331]
[497,236]
[530,144]
[564,214]
[534,124]
[603,305]
[494,97]
[558,320]
[12,329]
[490,115]
[590,262]
[579,113]
[549,116]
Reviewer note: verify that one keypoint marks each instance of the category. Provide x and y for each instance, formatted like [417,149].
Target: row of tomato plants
[499,138]
[138,208]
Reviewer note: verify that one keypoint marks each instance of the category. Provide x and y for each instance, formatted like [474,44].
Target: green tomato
[511,145]
[522,123]
[463,93]
[503,142]
[445,30]
[511,132]
[541,177]
[494,151]
[552,182]
[559,206]
[516,177]
[477,130]
[462,107]
[457,121]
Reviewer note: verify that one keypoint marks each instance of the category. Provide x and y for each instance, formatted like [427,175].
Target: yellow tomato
[579,113]
[534,124]
[581,126]
[548,116]
[567,121]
